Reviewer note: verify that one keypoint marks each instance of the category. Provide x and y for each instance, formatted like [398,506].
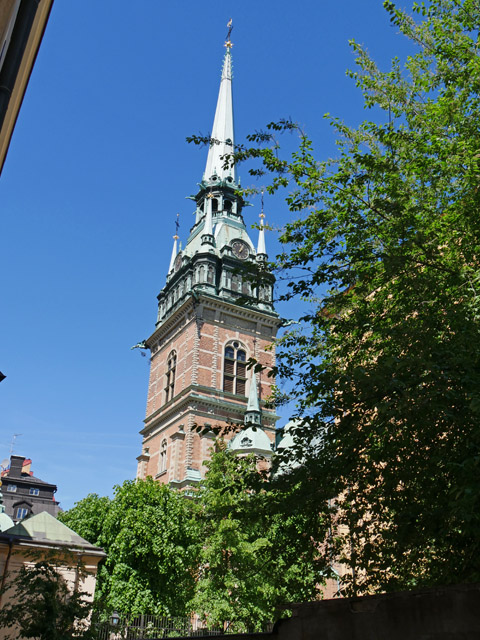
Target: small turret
[207,235]
[261,250]
[253,414]
[174,253]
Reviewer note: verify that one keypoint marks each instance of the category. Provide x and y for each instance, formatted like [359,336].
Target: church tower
[211,319]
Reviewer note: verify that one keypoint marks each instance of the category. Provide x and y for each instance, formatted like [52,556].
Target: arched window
[214,205]
[170,376]
[235,369]
[162,466]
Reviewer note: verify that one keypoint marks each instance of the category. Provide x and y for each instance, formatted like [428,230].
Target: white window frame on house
[33,491]
[12,488]
[21,513]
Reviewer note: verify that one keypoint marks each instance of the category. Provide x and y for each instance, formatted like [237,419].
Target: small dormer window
[12,488]
[21,513]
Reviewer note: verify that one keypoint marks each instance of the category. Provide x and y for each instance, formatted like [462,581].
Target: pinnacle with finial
[261,250]
[253,412]
[175,244]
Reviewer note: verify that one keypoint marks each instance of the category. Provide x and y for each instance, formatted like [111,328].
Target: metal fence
[148,627]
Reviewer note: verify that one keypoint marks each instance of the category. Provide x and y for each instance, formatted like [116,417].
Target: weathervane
[228,43]
[177,227]
[262,215]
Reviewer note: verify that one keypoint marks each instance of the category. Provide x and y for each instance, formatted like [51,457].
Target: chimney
[16,464]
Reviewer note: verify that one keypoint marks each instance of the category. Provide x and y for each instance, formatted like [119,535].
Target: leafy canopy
[384,245]
[40,605]
[253,558]
[151,543]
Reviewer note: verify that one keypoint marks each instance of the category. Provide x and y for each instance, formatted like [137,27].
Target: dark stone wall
[443,613]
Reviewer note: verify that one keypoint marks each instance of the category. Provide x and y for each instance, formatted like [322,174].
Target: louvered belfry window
[235,369]
[170,376]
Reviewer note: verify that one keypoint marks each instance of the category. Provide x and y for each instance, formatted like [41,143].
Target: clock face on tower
[178,262]
[240,249]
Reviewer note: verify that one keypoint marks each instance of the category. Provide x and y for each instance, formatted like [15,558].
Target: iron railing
[148,627]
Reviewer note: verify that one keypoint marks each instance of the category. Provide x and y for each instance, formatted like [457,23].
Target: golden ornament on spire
[228,42]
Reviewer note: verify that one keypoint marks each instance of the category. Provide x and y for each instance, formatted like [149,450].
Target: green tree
[151,542]
[385,248]
[41,606]
[87,517]
[253,558]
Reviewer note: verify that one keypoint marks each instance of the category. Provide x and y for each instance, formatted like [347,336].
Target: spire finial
[177,223]
[228,42]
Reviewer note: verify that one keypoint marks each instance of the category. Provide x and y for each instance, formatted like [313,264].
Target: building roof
[44,528]
[22,26]
[251,440]
[5,521]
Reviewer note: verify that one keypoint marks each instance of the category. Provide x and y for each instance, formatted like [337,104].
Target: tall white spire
[222,131]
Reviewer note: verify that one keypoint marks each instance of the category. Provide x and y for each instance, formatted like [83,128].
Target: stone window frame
[162,462]
[235,368]
[170,376]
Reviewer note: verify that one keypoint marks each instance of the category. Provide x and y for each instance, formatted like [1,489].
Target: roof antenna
[12,445]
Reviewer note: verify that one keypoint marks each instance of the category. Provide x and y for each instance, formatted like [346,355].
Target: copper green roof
[43,527]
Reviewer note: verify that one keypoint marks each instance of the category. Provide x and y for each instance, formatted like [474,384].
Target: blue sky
[98,169]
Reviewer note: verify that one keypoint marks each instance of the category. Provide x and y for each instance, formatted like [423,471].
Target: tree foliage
[226,552]
[41,605]
[151,543]
[385,248]
[253,558]
[87,517]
